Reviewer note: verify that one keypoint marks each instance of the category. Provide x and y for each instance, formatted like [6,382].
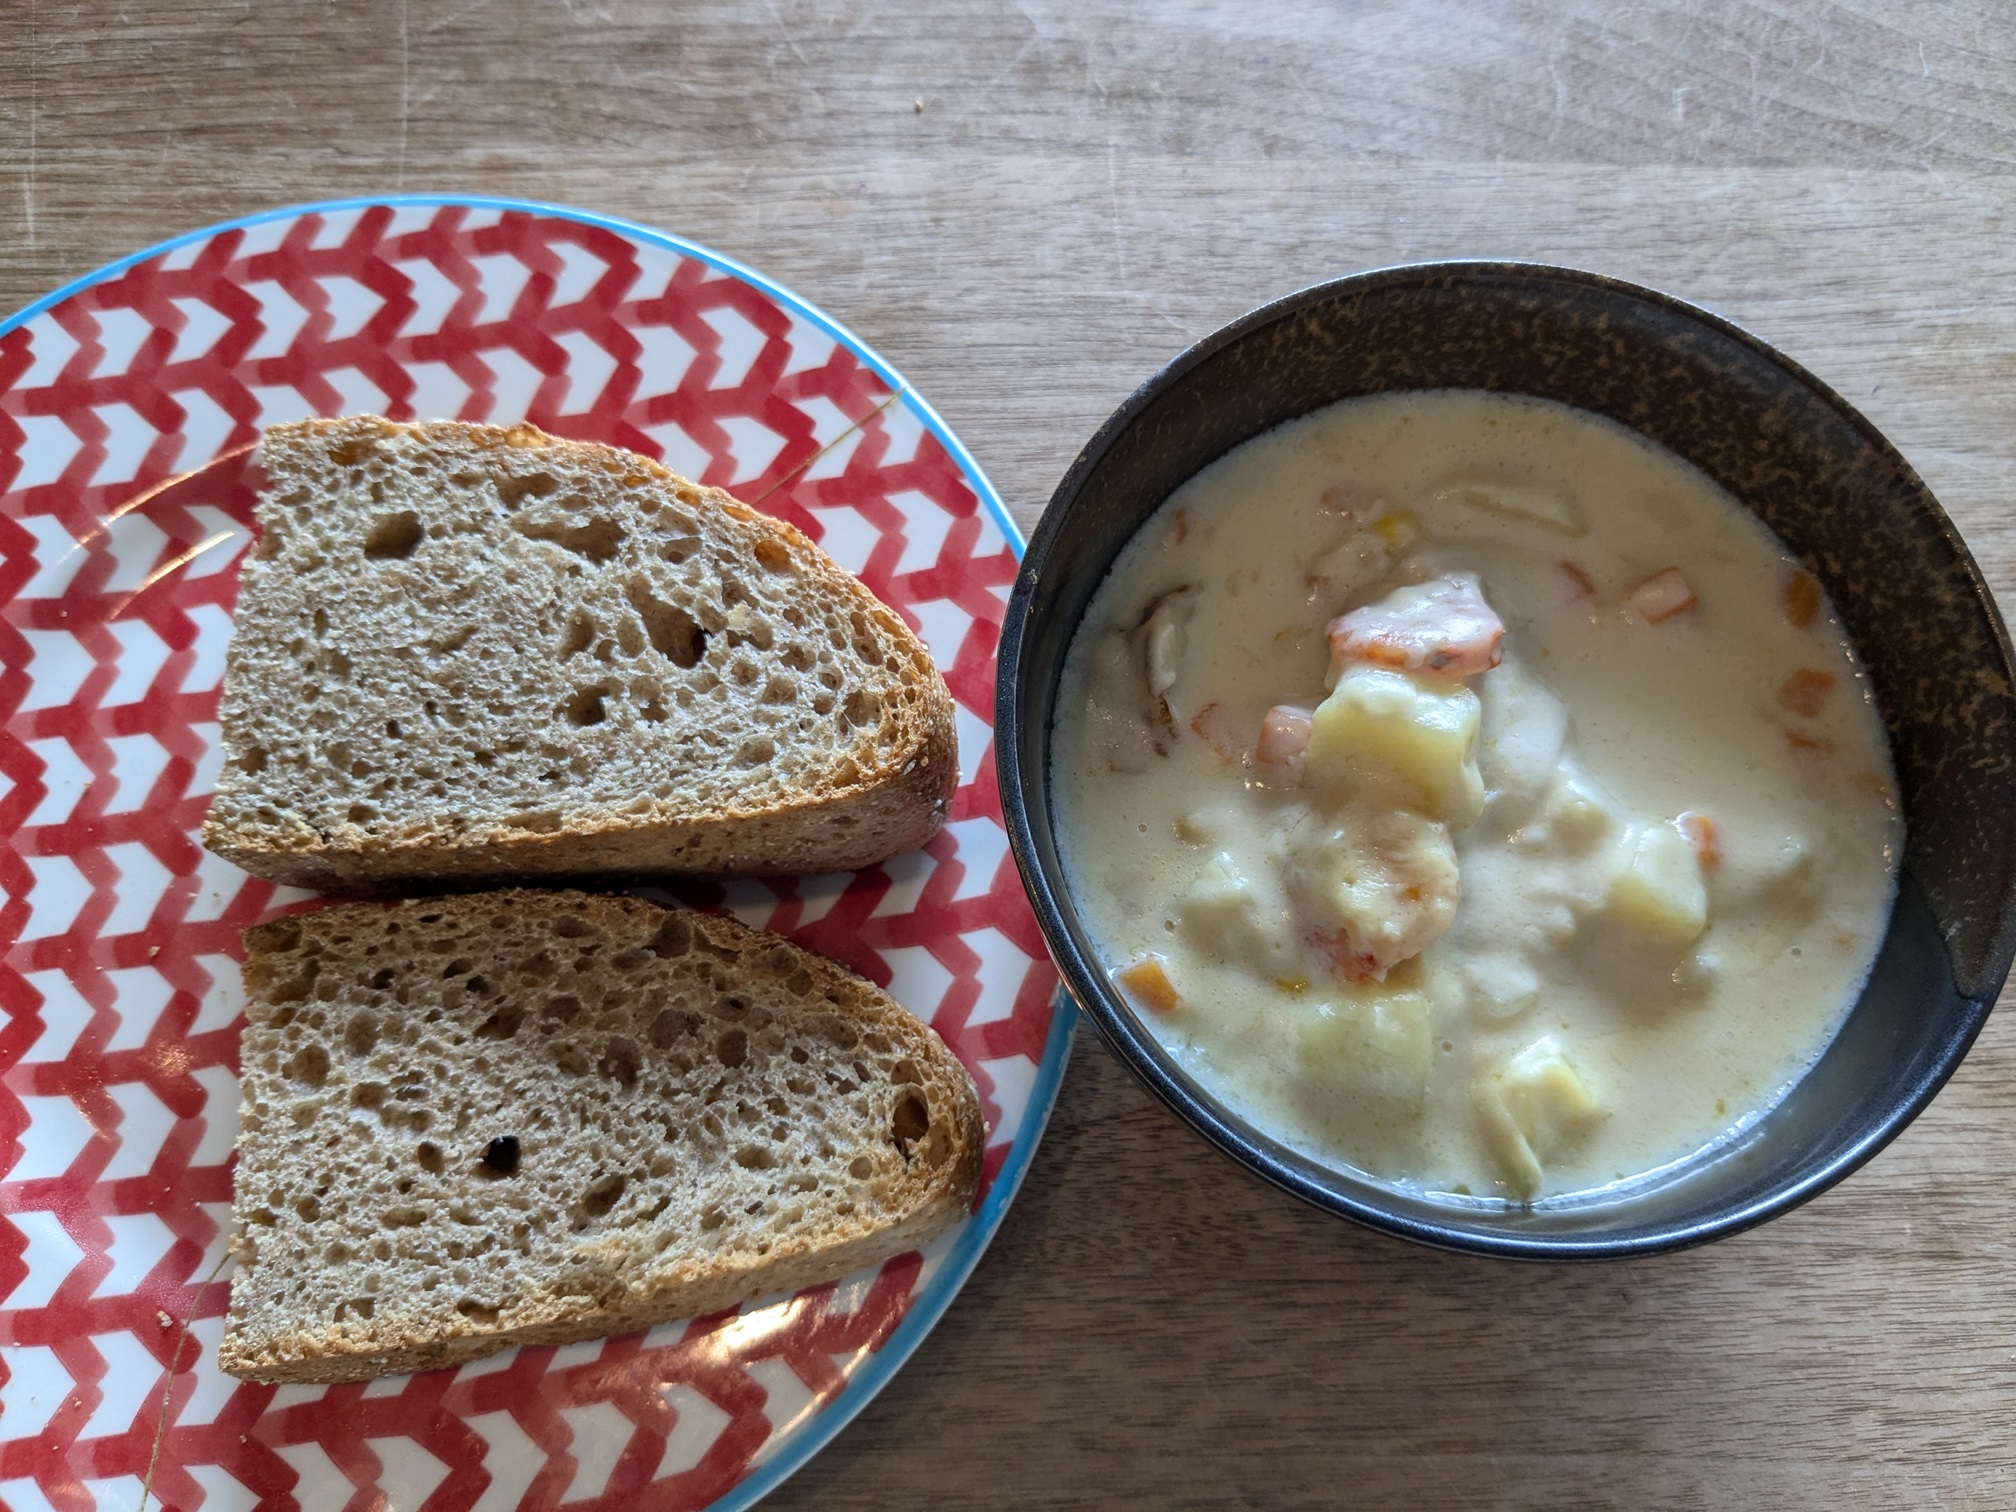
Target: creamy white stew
[1467,791]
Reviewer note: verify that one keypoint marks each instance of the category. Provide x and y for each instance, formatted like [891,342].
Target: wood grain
[1028,210]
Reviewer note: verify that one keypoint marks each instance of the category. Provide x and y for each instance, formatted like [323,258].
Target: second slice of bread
[470,653]
[529,1117]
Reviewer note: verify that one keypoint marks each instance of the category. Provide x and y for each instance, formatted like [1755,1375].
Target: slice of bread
[533,1117]
[470,653]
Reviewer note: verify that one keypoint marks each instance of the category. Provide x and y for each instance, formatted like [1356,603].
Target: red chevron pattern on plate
[119,979]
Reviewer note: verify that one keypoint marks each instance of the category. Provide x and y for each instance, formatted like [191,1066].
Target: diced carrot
[1802,600]
[1805,691]
[1704,834]
[1351,500]
[1663,595]
[1585,585]
[1218,728]
[1150,984]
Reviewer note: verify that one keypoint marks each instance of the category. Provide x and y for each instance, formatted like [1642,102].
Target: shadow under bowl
[1799,456]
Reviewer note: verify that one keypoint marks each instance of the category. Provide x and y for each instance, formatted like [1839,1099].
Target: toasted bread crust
[373,1238]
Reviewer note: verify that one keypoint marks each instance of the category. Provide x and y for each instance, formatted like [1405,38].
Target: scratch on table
[405,86]
[34,109]
[785,32]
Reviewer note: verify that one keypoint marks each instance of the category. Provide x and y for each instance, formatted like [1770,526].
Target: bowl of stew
[1513,760]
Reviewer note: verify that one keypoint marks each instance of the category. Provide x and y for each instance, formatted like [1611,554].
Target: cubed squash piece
[1660,894]
[1532,1107]
[1147,982]
[1382,727]
[1375,1045]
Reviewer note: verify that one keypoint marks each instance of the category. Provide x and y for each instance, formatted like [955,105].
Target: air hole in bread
[353,450]
[538,821]
[405,1217]
[732,1048]
[254,760]
[670,1026]
[679,548]
[309,1066]
[755,752]
[780,689]
[360,1036]
[393,537]
[674,634]
[597,540]
[909,1123]
[500,1156]
[599,1199]
[620,1062]
[580,635]
[773,556]
[355,1307]
[673,939]
[514,491]
[587,707]
[476,1312]
[862,708]
[429,1156]
[502,1024]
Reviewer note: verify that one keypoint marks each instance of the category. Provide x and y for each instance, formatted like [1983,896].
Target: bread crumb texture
[535,1117]
[478,652]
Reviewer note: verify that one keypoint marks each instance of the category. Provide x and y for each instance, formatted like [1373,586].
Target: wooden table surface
[1028,209]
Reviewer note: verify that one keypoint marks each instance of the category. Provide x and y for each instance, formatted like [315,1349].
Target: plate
[119,981]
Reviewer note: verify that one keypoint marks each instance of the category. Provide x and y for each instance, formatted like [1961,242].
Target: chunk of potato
[1384,728]
[1576,815]
[1219,913]
[1660,893]
[1532,1107]
[1500,986]
[1375,1045]
[1535,505]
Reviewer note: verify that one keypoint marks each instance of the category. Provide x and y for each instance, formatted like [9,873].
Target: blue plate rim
[979,1229]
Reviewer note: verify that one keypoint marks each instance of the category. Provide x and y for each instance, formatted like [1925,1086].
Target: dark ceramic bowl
[1784,444]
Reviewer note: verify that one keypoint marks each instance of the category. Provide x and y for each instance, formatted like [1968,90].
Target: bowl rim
[1145,1057]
